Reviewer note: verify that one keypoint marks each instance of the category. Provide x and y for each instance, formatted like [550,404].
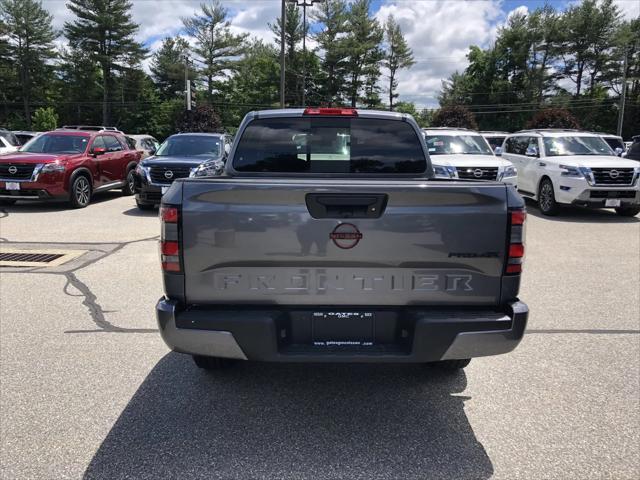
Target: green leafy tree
[553,118]
[104,29]
[44,119]
[29,40]
[168,67]
[255,84]
[78,87]
[363,46]
[331,16]
[398,55]
[293,33]
[216,46]
[589,32]
[455,116]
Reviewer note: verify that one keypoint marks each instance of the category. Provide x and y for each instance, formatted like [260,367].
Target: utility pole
[187,82]
[623,94]
[304,4]
[282,63]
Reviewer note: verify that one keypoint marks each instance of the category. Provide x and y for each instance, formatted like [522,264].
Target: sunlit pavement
[88,389]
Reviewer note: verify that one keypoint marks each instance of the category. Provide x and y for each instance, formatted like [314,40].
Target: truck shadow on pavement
[293,421]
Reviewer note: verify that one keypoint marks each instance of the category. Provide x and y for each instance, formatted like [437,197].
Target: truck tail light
[170,255]
[340,112]
[515,256]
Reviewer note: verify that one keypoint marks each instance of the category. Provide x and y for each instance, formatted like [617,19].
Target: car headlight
[208,169]
[445,171]
[53,167]
[142,171]
[509,171]
[578,172]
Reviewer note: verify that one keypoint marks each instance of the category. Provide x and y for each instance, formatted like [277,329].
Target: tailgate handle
[330,205]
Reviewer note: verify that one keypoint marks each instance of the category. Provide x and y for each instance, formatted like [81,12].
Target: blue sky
[440,32]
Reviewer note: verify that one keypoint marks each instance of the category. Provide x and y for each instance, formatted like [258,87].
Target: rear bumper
[261,334]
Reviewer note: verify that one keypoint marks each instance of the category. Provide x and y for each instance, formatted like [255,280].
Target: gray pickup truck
[329,239]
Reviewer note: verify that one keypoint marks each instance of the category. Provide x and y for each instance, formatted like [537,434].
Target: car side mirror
[531,151]
[619,152]
[98,151]
[498,151]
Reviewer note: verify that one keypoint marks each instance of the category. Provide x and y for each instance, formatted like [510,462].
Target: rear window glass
[329,145]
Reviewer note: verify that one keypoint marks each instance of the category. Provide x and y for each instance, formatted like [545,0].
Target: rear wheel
[80,192]
[7,202]
[144,206]
[129,184]
[628,211]
[212,363]
[547,198]
[451,365]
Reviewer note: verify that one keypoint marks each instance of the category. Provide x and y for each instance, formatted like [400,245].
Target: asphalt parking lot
[89,390]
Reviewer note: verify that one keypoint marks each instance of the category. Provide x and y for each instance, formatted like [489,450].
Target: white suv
[572,167]
[462,153]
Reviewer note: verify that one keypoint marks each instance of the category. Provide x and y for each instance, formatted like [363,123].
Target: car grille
[158,174]
[613,194]
[478,173]
[613,176]
[20,172]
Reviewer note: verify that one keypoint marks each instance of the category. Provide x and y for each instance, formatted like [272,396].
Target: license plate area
[348,331]
[342,328]
[612,202]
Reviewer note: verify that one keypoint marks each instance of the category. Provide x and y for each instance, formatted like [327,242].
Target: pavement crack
[96,312]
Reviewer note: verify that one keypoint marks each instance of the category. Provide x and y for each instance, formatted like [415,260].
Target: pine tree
[217,47]
[363,46]
[104,29]
[398,55]
[78,87]
[168,66]
[293,32]
[331,15]
[30,45]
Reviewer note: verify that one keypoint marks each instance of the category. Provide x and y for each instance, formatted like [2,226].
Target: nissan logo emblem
[13,170]
[614,173]
[168,174]
[345,236]
[477,173]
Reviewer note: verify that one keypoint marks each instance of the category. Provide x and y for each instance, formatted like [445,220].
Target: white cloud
[630,8]
[440,33]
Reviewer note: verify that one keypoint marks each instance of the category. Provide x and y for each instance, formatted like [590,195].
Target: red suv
[68,165]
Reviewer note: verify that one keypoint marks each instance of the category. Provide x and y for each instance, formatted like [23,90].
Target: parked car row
[552,167]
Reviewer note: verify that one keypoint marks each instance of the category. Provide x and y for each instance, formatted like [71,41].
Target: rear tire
[129,184]
[628,211]
[451,365]
[547,198]
[80,192]
[6,203]
[144,206]
[212,363]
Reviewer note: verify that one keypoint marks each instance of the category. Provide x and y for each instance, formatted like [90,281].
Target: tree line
[571,60]
[98,77]
[546,58]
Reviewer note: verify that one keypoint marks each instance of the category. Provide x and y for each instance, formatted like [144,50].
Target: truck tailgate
[255,241]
